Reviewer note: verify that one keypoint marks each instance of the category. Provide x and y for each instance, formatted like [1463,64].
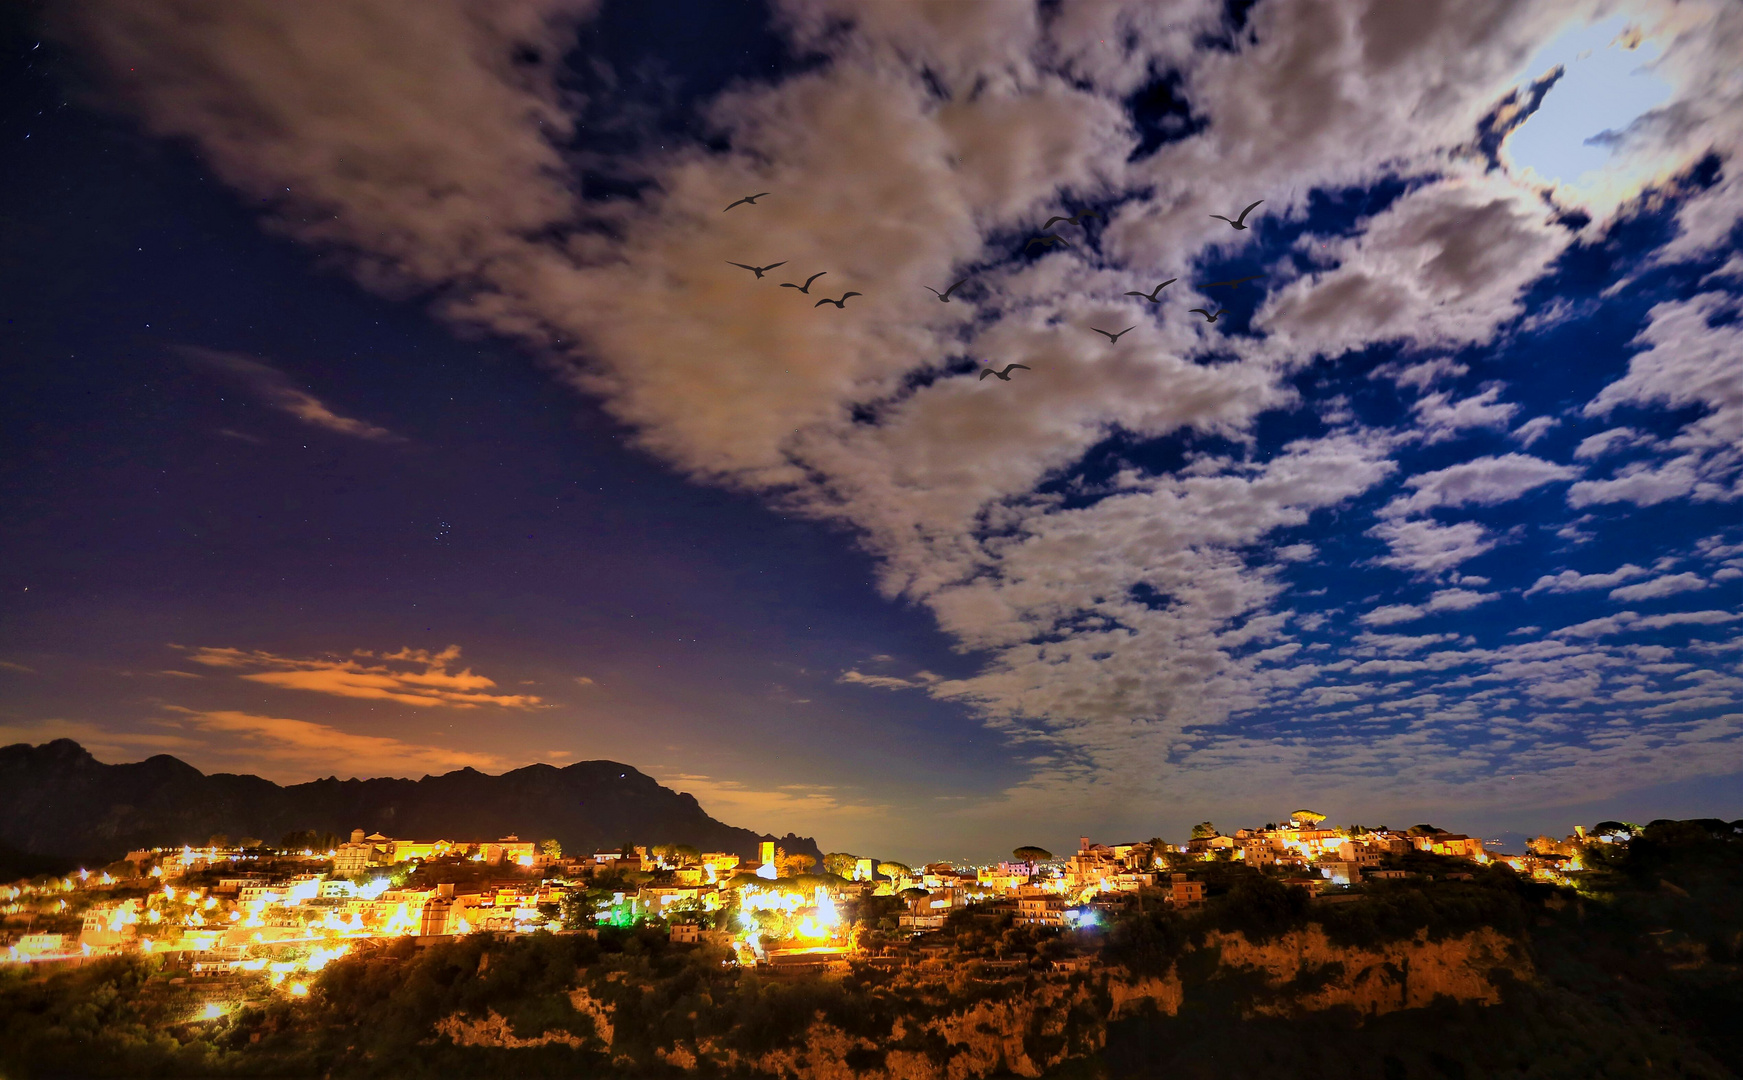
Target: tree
[1307,817]
[840,863]
[1204,830]
[552,849]
[795,864]
[895,870]
[251,842]
[218,840]
[1031,854]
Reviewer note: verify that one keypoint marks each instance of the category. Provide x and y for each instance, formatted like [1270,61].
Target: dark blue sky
[254,488]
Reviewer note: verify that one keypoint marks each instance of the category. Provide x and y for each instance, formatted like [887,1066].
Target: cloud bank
[1135,626]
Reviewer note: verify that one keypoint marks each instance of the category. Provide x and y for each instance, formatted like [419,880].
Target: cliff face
[56,799]
[951,1027]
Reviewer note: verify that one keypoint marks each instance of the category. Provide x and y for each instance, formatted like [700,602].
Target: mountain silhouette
[59,802]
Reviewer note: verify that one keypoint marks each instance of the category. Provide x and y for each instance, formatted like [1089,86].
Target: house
[1184,892]
[685,933]
[1037,908]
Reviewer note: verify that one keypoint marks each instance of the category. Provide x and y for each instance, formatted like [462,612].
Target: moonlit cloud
[1127,637]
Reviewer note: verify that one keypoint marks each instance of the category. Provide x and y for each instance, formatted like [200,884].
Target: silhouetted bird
[1208,317]
[757,270]
[1234,281]
[1152,294]
[1115,338]
[1240,222]
[841,303]
[752,199]
[805,288]
[1005,374]
[1078,220]
[945,295]
[1046,241]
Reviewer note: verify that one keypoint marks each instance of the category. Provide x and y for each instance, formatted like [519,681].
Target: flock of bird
[1046,240]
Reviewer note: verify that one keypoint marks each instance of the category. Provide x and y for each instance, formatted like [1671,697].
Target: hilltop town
[282,911]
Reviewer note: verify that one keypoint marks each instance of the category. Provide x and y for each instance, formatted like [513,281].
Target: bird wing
[986,371]
[1032,243]
[741,266]
[826,300]
[1054,218]
[1086,213]
[1098,330]
[933,291]
[758,195]
[771,266]
[1219,217]
[1201,311]
[1127,330]
[729,206]
[1145,295]
[845,295]
[1012,367]
[1249,210]
[952,289]
[814,277]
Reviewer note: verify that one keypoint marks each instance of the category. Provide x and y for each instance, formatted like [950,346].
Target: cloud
[1440,418]
[1668,585]
[273,386]
[920,681]
[1430,548]
[1690,360]
[1485,481]
[409,676]
[772,808]
[1624,621]
[304,746]
[584,680]
[1608,442]
[1573,581]
[1535,428]
[1121,632]
[8,665]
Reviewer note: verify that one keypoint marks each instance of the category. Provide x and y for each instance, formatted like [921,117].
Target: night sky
[376,399]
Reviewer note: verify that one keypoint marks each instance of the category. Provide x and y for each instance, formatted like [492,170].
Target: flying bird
[805,288]
[1115,338]
[1005,374]
[841,303]
[1233,281]
[944,296]
[1240,222]
[1208,317]
[1152,294]
[752,199]
[1046,241]
[757,270]
[1078,220]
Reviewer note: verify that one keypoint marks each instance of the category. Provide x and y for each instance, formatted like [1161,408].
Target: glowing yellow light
[299,990]
[212,1011]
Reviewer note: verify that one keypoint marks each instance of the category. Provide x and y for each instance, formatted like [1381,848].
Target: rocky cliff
[946,1025]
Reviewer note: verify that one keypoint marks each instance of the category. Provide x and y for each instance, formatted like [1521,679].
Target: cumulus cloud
[276,389]
[409,676]
[1573,581]
[1691,360]
[434,150]
[1485,481]
[1667,585]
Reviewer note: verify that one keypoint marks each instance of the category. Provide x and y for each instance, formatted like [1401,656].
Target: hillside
[57,801]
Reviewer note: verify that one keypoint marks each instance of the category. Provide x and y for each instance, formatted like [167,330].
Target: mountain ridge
[57,800]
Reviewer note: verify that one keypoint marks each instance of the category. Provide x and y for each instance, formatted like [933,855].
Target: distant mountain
[60,803]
